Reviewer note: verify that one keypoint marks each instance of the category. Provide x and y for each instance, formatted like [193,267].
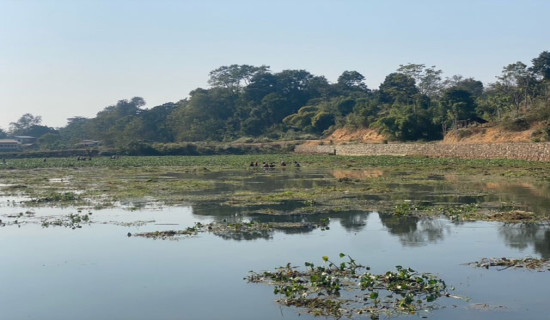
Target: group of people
[267,165]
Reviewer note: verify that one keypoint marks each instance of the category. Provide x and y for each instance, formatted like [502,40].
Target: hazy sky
[60,59]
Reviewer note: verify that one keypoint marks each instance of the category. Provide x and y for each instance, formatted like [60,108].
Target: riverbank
[517,151]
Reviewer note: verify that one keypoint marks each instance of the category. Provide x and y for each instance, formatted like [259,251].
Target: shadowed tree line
[248,103]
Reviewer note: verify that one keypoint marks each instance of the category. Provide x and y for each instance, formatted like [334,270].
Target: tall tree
[474,87]
[428,79]
[204,116]
[541,65]
[398,88]
[109,124]
[24,124]
[519,83]
[234,77]
[457,105]
[351,81]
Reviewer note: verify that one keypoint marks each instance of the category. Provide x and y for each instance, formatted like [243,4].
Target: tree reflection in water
[354,221]
[521,236]
[414,231]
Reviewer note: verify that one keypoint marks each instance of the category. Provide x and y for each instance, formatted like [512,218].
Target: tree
[3,134]
[541,66]
[322,121]
[77,129]
[110,123]
[519,83]
[398,88]
[404,123]
[352,81]
[154,123]
[365,113]
[302,119]
[494,102]
[428,79]
[234,77]
[29,125]
[204,116]
[457,105]
[474,87]
[261,84]
[24,123]
[51,140]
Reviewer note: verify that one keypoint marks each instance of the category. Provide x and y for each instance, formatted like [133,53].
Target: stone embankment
[521,151]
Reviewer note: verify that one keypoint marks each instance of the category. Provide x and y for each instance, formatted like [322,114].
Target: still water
[98,272]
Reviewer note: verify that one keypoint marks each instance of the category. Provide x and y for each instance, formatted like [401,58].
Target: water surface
[98,272]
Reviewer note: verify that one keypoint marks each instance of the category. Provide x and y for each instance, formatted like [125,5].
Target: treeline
[250,103]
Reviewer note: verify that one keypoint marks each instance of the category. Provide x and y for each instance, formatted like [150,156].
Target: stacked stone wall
[521,151]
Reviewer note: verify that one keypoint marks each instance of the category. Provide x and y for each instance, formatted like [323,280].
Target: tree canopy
[252,101]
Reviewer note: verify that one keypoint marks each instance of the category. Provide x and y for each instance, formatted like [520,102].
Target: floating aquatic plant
[73,221]
[251,229]
[349,289]
[505,263]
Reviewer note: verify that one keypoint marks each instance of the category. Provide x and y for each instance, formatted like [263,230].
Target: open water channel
[99,272]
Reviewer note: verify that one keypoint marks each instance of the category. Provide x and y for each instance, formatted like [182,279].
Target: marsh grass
[416,186]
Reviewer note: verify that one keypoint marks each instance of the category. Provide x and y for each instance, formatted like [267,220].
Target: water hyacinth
[348,288]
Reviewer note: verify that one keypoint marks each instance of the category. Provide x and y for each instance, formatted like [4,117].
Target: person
[251,164]
[283,164]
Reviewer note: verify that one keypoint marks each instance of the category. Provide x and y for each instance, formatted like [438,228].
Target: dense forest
[251,103]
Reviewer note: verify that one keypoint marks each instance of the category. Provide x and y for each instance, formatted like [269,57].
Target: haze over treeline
[412,103]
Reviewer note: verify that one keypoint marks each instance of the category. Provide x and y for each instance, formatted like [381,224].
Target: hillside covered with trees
[253,103]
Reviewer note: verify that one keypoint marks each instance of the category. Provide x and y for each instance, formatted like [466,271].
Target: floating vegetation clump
[505,263]
[230,230]
[348,289]
[73,221]
[58,197]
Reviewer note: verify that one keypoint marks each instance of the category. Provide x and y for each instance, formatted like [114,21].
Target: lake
[98,271]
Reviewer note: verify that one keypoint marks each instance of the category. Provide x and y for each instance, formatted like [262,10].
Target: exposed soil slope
[488,135]
[471,135]
[361,135]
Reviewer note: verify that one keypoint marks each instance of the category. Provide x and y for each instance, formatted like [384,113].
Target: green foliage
[428,79]
[350,81]
[398,88]
[234,76]
[541,65]
[518,124]
[407,122]
[348,288]
[322,121]
[243,100]
[458,105]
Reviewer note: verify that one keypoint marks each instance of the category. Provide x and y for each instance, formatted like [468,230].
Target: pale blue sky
[64,58]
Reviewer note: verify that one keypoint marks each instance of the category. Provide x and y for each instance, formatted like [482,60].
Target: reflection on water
[523,236]
[535,197]
[413,231]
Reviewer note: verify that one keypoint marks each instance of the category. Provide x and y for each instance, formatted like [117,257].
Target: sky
[66,58]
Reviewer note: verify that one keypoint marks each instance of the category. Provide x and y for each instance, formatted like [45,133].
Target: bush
[518,124]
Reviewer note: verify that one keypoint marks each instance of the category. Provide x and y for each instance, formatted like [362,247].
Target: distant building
[9,145]
[25,140]
[88,144]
